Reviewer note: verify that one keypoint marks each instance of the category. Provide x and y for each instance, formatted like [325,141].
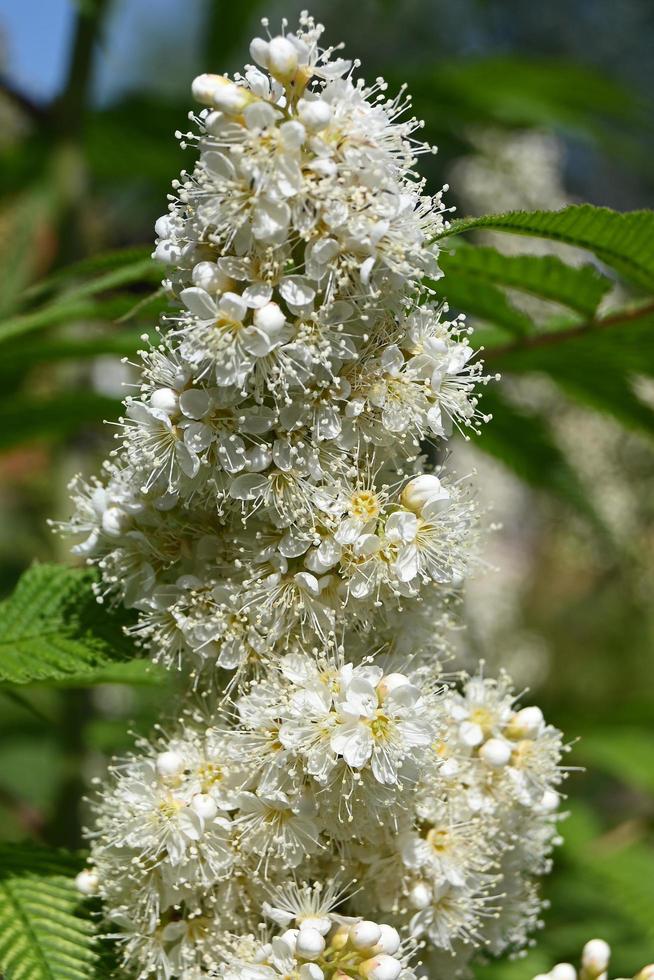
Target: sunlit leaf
[484,300]
[625,241]
[578,287]
[52,628]
[43,933]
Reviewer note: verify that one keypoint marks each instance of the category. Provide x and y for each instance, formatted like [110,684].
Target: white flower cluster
[269,481]
[439,801]
[594,965]
[268,507]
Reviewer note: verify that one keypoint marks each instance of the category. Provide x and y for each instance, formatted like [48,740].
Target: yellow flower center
[438,839]
[209,773]
[364,505]
[380,726]
[170,807]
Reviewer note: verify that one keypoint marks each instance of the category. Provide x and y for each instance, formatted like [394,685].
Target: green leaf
[103,262]
[622,866]
[78,301]
[53,629]
[66,310]
[26,354]
[594,363]
[472,295]
[578,287]
[517,91]
[43,935]
[23,227]
[24,418]
[625,241]
[625,753]
[523,442]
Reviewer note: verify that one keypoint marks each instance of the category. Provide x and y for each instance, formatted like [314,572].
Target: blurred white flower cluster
[269,507]
[595,958]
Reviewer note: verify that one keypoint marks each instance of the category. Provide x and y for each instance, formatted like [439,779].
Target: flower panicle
[273,499]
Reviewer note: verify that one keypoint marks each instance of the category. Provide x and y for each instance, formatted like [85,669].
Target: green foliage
[43,935]
[579,288]
[516,91]
[625,241]
[53,629]
[24,418]
[623,752]
[483,299]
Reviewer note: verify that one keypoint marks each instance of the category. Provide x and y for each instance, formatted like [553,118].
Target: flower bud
[390,683]
[495,752]
[162,226]
[208,276]
[290,938]
[647,973]
[382,967]
[525,723]
[309,944]
[259,51]
[595,957]
[204,806]
[419,491]
[471,734]
[365,934]
[314,114]
[269,318]
[550,800]
[311,971]
[563,971]
[165,399]
[221,93]
[420,895]
[389,940]
[282,59]
[169,764]
[87,882]
[114,522]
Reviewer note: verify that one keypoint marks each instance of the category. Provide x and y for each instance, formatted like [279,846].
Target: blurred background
[532,106]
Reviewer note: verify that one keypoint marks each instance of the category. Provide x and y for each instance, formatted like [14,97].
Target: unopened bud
[420,895]
[525,723]
[169,764]
[495,753]
[204,806]
[282,59]
[87,882]
[309,944]
[365,934]
[269,318]
[389,941]
[382,967]
[315,114]
[595,957]
[165,399]
[221,93]
[419,491]
[563,971]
